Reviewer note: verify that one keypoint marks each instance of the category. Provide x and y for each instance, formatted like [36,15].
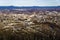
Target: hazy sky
[29,2]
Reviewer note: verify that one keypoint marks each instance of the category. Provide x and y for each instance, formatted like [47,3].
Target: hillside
[30,27]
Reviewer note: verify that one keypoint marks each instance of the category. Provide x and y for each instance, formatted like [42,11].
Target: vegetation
[29,27]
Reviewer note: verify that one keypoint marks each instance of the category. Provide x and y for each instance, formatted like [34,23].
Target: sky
[29,2]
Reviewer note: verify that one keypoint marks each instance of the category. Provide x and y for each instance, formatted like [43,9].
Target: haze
[29,2]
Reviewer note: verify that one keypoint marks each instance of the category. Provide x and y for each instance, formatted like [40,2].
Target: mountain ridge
[27,6]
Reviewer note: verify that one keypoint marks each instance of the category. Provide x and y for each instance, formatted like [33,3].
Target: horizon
[32,6]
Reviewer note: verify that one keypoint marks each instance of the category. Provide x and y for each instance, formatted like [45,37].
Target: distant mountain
[55,8]
[30,7]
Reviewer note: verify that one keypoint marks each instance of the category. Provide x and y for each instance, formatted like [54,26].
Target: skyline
[29,2]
